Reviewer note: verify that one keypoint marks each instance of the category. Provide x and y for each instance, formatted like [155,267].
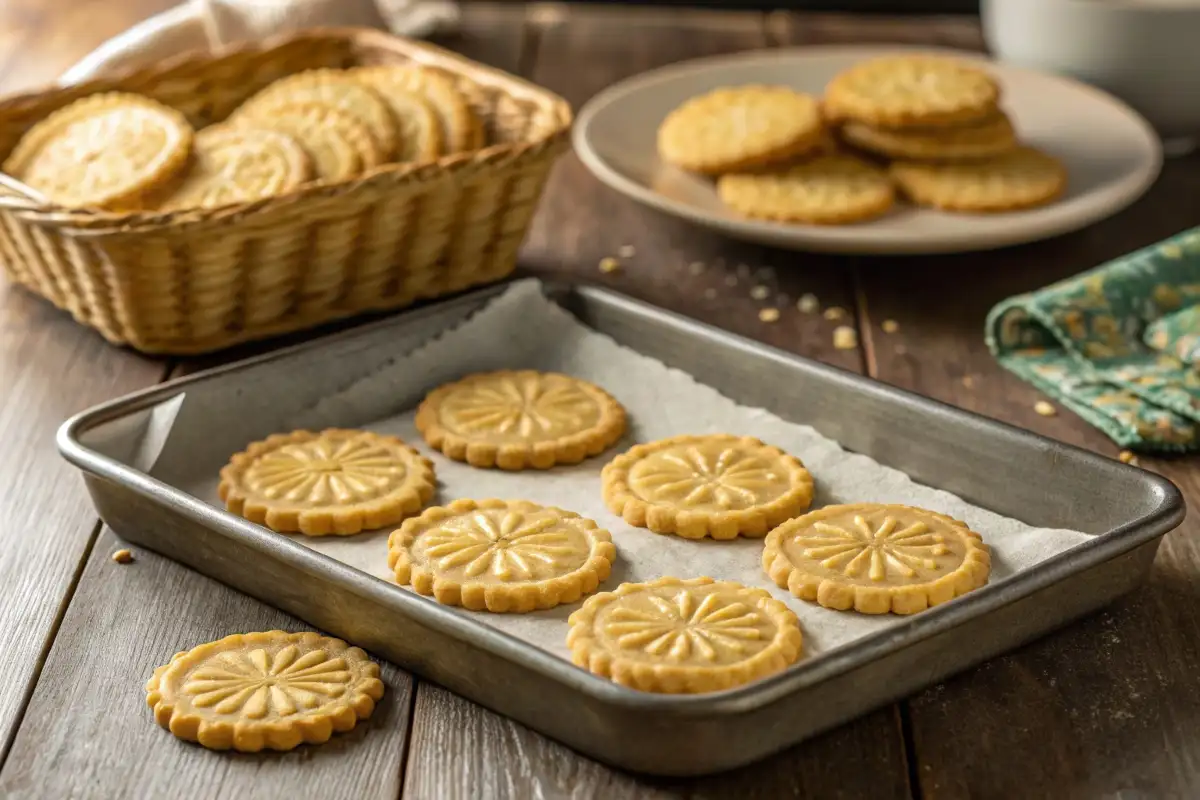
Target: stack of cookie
[927,126]
[124,151]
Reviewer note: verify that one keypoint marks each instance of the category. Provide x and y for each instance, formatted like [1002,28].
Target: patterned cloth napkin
[1119,345]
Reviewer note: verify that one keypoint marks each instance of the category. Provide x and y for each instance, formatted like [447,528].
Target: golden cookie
[739,128]
[455,122]
[1022,178]
[827,190]
[876,558]
[336,482]
[334,88]
[991,137]
[264,691]
[105,151]
[518,420]
[501,556]
[339,145]
[684,636]
[696,486]
[894,91]
[231,165]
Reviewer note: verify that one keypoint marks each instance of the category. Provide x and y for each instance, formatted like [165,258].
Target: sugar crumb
[808,303]
[769,314]
[609,264]
[760,292]
[834,313]
[845,337]
[1127,457]
[890,326]
[122,556]
[968,381]
[1044,408]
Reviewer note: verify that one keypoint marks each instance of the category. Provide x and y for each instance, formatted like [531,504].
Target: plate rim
[1127,190]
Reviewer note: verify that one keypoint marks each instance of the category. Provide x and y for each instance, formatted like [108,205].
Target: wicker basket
[199,280]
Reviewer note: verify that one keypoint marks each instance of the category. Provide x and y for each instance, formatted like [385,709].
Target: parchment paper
[523,329]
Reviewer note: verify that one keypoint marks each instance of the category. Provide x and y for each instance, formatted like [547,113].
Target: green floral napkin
[1119,345]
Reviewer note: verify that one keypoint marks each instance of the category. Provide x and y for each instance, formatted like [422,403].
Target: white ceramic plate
[1112,154]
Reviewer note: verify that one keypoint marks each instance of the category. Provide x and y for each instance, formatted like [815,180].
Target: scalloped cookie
[1022,178]
[234,165]
[990,137]
[834,189]
[901,90]
[339,145]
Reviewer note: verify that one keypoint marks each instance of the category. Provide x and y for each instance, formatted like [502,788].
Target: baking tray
[1012,472]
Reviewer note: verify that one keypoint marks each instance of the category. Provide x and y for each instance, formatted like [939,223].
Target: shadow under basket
[198,280]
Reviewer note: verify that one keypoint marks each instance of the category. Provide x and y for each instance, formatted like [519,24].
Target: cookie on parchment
[520,419]
[501,555]
[993,136]
[455,121]
[338,144]
[923,90]
[684,636]
[831,189]
[717,485]
[740,128]
[330,87]
[105,151]
[1022,178]
[264,691]
[876,558]
[335,482]
[232,165]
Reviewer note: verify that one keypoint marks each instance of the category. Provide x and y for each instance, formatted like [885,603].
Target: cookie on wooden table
[338,144]
[107,151]
[232,165]
[520,419]
[718,485]
[876,558]
[335,88]
[990,137]
[1022,178]
[740,127]
[501,555]
[832,189]
[923,90]
[335,482]
[456,122]
[264,691]
[684,636]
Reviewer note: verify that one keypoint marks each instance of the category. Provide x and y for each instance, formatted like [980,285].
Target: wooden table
[1109,707]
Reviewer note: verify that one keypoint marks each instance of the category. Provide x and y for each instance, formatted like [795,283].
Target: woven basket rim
[33,208]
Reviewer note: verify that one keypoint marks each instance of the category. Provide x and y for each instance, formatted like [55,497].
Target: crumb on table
[760,292]
[609,264]
[769,314]
[626,251]
[890,326]
[834,313]
[845,337]
[122,556]
[1044,408]
[808,303]
[968,381]
[1127,457]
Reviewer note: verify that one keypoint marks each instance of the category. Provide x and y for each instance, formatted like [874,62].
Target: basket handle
[16,196]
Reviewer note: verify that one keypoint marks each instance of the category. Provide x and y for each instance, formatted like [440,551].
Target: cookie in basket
[684,636]
[338,144]
[740,127]
[990,137]
[830,189]
[264,691]
[1022,178]
[718,485]
[876,558]
[895,91]
[334,88]
[456,122]
[105,151]
[501,555]
[520,419]
[232,165]
[335,482]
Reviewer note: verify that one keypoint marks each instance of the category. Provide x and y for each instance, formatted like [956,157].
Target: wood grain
[89,733]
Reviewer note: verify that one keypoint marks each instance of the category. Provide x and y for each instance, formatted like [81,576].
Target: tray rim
[1168,512]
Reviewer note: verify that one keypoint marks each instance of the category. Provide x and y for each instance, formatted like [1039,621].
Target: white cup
[1147,52]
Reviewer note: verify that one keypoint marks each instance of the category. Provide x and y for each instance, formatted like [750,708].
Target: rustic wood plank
[460,750]
[88,732]
[823,28]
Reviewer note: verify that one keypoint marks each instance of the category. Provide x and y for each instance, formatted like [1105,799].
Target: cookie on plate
[876,558]
[330,87]
[107,151]
[684,636]
[923,90]
[332,482]
[718,485]
[520,419]
[831,189]
[264,691]
[740,128]
[233,165]
[456,122]
[1022,178]
[501,555]
[339,145]
[990,137]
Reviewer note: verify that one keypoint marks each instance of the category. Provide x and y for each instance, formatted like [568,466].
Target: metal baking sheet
[1125,510]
